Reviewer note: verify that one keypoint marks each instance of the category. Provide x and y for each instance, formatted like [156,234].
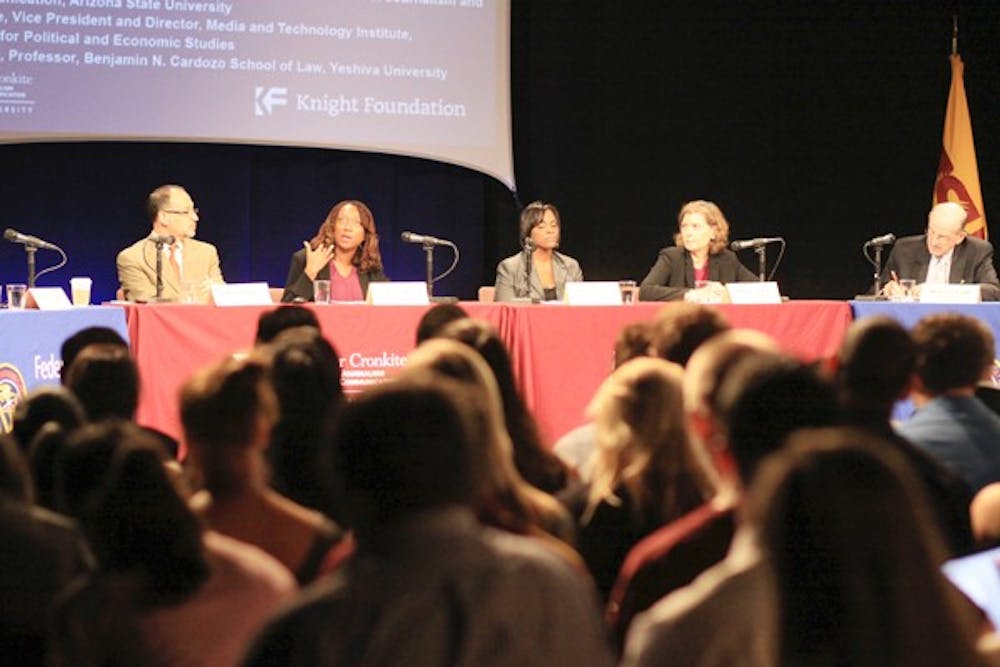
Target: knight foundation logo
[12,389]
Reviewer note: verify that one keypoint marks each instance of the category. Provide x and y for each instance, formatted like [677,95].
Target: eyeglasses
[192,211]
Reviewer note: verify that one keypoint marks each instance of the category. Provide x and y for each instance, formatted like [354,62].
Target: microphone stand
[878,271]
[31,250]
[159,269]
[761,262]
[529,249]
[429,250]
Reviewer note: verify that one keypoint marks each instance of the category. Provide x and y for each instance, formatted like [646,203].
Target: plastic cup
[321,291]
[908,285]
[16,293]
[80,289]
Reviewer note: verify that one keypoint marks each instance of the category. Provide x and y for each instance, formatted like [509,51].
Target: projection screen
[428,78]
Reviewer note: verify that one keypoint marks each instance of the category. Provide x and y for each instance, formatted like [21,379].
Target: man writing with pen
[944,254]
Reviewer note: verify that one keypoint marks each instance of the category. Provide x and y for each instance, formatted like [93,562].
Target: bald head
[945,228]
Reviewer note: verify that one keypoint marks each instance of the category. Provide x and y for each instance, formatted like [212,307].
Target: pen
[894,276]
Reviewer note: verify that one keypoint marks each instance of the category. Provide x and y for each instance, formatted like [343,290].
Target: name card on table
[48,298]
[241,294]
[405,293]
[593,293]
[756,292]
[943,293]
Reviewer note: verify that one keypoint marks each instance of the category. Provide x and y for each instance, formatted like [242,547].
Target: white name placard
[943,293]
[766,292]
[241,294]
[405,293]
[593,293]
[48,298]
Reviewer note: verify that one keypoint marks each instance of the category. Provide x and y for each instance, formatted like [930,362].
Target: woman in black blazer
[346,242]
[700,255]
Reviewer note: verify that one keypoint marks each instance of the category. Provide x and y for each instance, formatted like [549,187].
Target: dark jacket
[673,273]
[298,285]
[971,262]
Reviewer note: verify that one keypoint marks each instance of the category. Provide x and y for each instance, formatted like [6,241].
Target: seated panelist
[943,254]
[344,251]
[172,214]
[699,256]
[549,270]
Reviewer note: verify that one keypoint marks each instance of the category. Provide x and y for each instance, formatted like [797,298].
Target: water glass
[16,293]
[321,291]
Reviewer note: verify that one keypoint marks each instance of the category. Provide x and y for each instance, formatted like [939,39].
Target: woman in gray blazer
[538,272]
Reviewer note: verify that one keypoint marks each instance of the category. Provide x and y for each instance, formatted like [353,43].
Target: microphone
[885,239]
[410,237]
[165,239]
[755,243]
[31,241]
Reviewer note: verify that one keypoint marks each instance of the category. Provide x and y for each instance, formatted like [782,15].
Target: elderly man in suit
[185,260]
[944,254]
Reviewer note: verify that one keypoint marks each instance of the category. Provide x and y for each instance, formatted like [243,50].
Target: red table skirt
[560,353]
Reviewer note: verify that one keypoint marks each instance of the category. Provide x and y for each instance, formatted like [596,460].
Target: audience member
[954,352]
[576,448]
[428,585]
[645,472]
[228,411]
[984,513]
[43,405]
[874,369]
[273,322]
[105,379]
[166,592]
[42,552]
[304,370]
[503,500]
[437,318]
[536,463]
[679,329]
[673,555]
[73,345]
[763,398]
[173,216]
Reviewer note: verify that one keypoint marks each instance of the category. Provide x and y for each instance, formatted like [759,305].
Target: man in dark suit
[944,254]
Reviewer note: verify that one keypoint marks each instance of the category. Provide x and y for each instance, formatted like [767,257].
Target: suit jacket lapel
[958,260]
[688,270]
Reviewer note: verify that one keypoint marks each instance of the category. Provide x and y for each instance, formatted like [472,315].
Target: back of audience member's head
[73,345]
[105,379]
[45,454]
[273,322]
[227,411]
[852,544]
[954,351]
[437,318]
[15,482]
[305,372]
[766,397]
[536,463]
[875,364]
[633,341]
[421,458]
[43,405]
[708,367]
[642,443]
[680,328]
[115,484]
[984,513]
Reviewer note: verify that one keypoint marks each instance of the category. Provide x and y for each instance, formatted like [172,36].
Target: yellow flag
[958,173]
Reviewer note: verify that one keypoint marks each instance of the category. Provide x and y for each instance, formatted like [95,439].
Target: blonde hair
[506,500]
[641,440]
[715,219]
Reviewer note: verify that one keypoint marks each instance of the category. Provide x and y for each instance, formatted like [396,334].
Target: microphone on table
[755,243]
[31,241]
[410,237]
[885,239]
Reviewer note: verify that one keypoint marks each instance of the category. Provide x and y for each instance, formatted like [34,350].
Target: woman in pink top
[344,251]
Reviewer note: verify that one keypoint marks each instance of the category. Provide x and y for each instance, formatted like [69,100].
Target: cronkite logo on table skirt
[12,389]
[358,370]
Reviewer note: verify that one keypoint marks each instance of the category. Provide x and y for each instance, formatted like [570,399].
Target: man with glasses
[944,254]
[187,267]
